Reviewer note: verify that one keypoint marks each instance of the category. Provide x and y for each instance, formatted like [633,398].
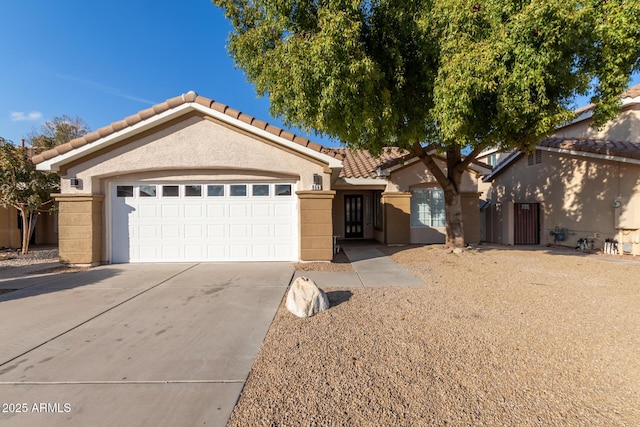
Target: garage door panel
[208,226]
[194,252]
[217,252]
[284,251]
[147,211]
[240,252]
[283,211]
[193,211]
[260,251]
[283,231]
[148,232]
[193,231]
[170,231]
[238,210]
[216,211]
[170,211]
[216,231]
[260,210]
[238,230]
[147,252]
[171,252]
[261,231]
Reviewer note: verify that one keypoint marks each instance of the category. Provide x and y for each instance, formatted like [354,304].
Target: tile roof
[171,104]
[361,164]
[629,150]
[619,149]
[632,92]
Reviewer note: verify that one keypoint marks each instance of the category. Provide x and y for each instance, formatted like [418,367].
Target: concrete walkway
[371,268]
[137,344]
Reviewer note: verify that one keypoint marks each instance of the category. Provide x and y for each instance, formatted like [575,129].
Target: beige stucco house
[580,187]
[192,179]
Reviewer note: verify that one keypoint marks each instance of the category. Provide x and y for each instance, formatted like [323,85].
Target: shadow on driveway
[33,285]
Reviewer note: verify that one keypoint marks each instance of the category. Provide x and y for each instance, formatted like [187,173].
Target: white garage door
[203,222]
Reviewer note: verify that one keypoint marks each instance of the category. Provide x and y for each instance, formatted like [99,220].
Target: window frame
[428,212]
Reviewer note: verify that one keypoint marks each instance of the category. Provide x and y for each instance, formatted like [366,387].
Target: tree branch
[428,161]
[472,156]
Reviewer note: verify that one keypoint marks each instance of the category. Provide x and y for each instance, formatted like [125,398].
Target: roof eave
[343,182]
[588,113]
[56,163]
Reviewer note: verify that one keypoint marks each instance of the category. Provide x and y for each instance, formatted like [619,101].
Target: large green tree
[22,186]
[435,76]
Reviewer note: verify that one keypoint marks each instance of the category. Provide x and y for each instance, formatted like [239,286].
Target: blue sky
[103,61]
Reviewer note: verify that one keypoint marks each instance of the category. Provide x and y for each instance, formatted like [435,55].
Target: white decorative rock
[305,298]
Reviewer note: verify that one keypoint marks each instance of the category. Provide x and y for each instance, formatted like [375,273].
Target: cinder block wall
[316,225]
[80,228]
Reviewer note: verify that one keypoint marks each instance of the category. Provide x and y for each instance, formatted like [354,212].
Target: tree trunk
[453,213]
[26,231]
[450,183]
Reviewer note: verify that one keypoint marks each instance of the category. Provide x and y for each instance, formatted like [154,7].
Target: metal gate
[526,223]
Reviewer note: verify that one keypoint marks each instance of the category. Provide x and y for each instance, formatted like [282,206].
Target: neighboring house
[191,179]
[580,187]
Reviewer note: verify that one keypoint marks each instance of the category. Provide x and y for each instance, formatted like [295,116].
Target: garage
[193,180]
[203,221]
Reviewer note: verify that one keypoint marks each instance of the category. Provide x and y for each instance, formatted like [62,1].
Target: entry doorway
[353,217]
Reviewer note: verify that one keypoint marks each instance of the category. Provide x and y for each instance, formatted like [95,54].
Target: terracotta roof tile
[259,124]
[632,92]
[173,103]
[361,164]
[622,149]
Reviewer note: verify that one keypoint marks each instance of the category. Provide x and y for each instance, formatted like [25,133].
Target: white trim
[360,182]
[516,154]
[55,163]
[589,113]
[590,155]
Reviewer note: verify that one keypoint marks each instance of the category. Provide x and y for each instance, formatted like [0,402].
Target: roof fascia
[502,166]
[507,162]
[589,113]
[344,183]
[387,171]
[590,155]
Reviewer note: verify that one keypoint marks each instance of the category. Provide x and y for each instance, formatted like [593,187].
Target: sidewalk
[372,268]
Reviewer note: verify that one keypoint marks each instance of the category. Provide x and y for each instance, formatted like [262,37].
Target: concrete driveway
[138,344]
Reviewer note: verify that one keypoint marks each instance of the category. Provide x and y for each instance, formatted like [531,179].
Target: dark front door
[527,224]
[353,224]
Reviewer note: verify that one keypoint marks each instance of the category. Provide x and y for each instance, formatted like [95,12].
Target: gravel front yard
[496,337]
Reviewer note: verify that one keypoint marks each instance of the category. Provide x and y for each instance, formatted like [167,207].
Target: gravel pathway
[495,337]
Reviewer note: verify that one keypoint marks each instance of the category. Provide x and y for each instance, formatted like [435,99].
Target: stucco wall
[202,147]
[625,127]
[575,193]
[410,176]
[415,176]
